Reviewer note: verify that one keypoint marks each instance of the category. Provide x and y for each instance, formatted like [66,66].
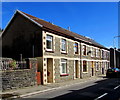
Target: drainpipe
[81,76]
[114,50]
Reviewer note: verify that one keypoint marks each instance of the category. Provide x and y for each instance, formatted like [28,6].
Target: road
[108,89]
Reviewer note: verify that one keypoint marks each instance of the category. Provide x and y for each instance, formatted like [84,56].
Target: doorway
[49,70]
[102,70]
[76,69]
[92,68]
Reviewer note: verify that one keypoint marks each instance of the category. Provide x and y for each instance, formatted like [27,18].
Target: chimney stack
[69,28]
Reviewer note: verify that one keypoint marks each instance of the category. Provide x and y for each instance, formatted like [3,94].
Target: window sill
[64,74]
[76,53]
[97,70]
[93,57]
[64,53]
[84,55]
[85,72]
[50,51]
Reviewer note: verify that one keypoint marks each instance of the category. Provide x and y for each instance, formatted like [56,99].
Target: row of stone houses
[62,55]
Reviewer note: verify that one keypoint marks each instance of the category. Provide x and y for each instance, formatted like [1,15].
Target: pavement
[28,91]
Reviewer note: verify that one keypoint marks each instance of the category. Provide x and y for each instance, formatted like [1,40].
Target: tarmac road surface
[108,89]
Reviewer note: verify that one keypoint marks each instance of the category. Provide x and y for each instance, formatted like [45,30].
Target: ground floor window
[84,66]
[63,66]
[108,65]
[97,66]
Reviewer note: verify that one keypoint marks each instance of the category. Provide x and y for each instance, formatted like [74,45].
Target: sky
[60,0]
[96,20]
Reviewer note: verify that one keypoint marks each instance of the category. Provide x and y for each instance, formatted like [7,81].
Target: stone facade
[56,55]
[97,63]
[14,79]
[92,58]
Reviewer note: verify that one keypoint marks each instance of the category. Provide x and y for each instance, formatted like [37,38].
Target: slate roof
[61,31]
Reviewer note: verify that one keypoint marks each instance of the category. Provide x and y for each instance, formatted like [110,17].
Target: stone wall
[57,55]
[70,68]
[13,79]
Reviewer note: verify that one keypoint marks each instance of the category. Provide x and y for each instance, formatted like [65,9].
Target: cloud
[109,47]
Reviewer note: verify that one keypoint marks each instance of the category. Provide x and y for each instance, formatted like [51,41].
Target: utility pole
[114,50]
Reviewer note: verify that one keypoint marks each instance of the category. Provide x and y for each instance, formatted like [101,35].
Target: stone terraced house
[62,55]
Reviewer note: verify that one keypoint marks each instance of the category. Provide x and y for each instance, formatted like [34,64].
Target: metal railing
[6,65]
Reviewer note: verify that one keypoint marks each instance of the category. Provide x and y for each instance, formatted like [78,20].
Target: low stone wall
[13,79]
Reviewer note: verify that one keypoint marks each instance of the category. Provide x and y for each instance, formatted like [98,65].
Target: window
[102,54]
[63,47]
[108,65]
[84,66]
[63,66]
[97,52]
[97,66]
[92,53]
[76,48]
[84,50]
[49,42]
[107,55]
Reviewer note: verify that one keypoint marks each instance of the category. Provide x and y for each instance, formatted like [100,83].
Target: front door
[102,70]
[76,69]
[49,70]
[92,68]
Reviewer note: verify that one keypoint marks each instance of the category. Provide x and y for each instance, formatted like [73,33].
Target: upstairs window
[49,42]
[76,48]
[102,54]
[63,47]
[84,49]
[97,52]
[107,55]
[94,52]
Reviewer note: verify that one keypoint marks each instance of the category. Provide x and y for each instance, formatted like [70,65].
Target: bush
[13,64]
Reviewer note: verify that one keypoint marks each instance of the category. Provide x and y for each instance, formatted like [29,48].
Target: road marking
[116,87]
[101,96]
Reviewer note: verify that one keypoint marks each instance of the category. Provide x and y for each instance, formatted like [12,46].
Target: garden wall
[13,79]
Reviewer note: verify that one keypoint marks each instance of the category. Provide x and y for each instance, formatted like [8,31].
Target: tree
[1,30]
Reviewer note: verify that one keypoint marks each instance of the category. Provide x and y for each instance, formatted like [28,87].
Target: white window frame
[94,51]
[83,49]
[100,53]
[76,48]
[91,51]
[65,45]
[97,52]
[86,66]
[51,40]
[97,66]
[63,61]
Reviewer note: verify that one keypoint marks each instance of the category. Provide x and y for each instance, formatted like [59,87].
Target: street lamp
[114,50]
